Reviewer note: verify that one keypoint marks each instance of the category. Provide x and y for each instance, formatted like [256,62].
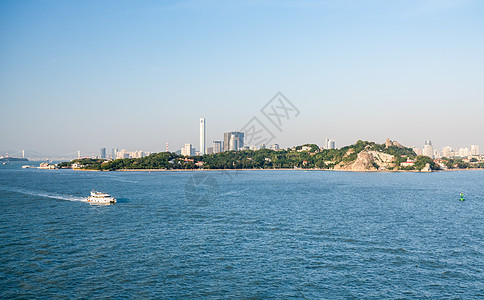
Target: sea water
[241,234]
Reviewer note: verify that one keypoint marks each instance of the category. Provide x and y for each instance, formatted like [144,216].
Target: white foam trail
[44,194]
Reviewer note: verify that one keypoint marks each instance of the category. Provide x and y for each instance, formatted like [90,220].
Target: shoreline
[278,169]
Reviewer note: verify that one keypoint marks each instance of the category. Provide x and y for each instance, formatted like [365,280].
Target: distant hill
[13,159]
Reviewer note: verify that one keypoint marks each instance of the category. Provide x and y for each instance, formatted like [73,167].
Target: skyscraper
[217,146]
[234,143]
[103,153]
[187,150]
[238,136]
[428,149]
[203,149]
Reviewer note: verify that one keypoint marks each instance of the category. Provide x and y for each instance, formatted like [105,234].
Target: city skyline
[136,75]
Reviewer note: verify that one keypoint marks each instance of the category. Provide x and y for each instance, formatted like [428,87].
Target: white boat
[100,198]
[27,167]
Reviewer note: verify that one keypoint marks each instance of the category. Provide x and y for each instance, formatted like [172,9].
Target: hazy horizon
[86,75]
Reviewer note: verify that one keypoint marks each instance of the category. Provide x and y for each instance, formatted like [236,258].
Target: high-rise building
[464,152]
[103,153]
[217,146]
[187,150]
[203,149]
[417,151]
[233,143]
[114,153]
[238,136]
[428,149]
[474,149]
[209,150]
[447,152]
[275,147]
[329,144]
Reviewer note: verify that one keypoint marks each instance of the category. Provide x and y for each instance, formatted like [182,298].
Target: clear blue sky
[135,74]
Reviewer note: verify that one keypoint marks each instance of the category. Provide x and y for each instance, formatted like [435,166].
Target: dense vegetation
[270,159]
[260,159]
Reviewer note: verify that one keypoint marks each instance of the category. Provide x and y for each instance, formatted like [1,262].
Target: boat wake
[43,194]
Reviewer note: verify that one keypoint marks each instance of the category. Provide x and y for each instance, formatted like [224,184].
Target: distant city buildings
[188,150]
[475,150]
[275,147]
[447,151]
[123,153]
[233,141]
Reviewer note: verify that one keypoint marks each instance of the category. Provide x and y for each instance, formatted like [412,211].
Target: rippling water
[245,234]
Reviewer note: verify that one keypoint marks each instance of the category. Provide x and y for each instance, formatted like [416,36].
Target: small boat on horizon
[100,198]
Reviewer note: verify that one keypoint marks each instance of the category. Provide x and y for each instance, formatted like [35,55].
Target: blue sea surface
[241,234]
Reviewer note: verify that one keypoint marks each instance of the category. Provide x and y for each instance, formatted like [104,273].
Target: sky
[81,75]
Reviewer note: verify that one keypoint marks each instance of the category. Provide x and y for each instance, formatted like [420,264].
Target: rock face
[389,143]
[363,162]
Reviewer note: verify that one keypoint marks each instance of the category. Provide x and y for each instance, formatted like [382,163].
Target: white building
[474,149]
[203,149]
[187,150]
[417,151]
[428,149]
[275,147]
[447,152]
[233,143]
[464,152]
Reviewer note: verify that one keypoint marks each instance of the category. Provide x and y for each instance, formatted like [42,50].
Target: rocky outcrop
[389,143]
[363,162]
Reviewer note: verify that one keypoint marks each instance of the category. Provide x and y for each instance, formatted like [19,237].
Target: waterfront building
[202,137]
[217,146]
[103,153]
[428,149]
[238,136]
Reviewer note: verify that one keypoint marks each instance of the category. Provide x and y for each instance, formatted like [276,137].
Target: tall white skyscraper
[203,148]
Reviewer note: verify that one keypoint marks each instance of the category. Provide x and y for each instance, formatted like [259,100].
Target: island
[363,156]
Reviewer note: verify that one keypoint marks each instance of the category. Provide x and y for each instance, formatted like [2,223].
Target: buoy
[462,197]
